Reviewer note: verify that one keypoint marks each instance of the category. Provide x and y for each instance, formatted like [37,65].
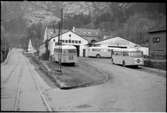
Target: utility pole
[60,42]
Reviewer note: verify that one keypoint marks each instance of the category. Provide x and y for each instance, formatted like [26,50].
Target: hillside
[24,20]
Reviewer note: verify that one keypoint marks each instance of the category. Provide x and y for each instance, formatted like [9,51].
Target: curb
[154,70]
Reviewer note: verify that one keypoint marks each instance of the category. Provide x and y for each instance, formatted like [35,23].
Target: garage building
[78,37]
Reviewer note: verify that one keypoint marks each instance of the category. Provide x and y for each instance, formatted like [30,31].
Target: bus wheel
[123,63]
[72,64]
[98,56]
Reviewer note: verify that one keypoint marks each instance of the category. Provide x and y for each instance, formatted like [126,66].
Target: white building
[69,38]
[78,37]
[120,42]
[117,41]
[81,37]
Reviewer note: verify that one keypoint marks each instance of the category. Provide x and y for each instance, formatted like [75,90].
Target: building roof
[89,39]
[157,28]
[106,38]
[51,32]
[117,41]
[87,34]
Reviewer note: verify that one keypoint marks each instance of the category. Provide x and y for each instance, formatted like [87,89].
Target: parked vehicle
[99,51]
[127,57]
[65,53]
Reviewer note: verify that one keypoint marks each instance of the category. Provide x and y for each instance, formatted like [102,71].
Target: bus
[67,53]
[127,57]
[99,51]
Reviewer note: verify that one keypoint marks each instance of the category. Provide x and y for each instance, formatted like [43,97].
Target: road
[20,87]
[23,88]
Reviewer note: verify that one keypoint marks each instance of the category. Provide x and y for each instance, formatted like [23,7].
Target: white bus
[99,51]
[127,57]
[67,53]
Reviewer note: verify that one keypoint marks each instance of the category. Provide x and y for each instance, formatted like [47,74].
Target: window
[72,41]
[69,35]
[72,51]
[95,49]
[156,39]
[79,41]
[56,43]
[57,50]
[117,53]
[53,40]
[76,41]
[136,53]
[125,53]
[66,41]
[69,41]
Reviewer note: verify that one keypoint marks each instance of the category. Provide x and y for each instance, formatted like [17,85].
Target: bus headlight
[138,61]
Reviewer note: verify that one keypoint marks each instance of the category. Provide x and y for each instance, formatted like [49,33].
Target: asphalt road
[22,88]
[128,90]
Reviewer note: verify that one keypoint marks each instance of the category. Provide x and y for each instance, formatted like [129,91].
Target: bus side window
[120,53]
[125,53]
[95,49]
[115,53]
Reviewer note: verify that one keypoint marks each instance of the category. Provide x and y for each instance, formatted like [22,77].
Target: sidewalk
[155,70]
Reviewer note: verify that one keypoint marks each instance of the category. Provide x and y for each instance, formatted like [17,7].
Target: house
[157,42]
[89,34]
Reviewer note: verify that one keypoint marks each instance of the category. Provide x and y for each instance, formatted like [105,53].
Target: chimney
[73,29]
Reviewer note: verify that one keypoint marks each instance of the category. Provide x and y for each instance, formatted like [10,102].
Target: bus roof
[126,49]
[66,47]
[99,47]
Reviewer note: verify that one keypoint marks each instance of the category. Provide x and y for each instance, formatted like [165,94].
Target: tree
[135,26]
[35,32]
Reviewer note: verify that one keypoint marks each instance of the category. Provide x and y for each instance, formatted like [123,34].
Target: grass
[72,76]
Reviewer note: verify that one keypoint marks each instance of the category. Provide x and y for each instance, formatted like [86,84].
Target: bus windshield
[135,54]
[72,51]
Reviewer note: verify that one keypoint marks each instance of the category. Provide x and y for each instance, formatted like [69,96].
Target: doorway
[84,52]
[77,46]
